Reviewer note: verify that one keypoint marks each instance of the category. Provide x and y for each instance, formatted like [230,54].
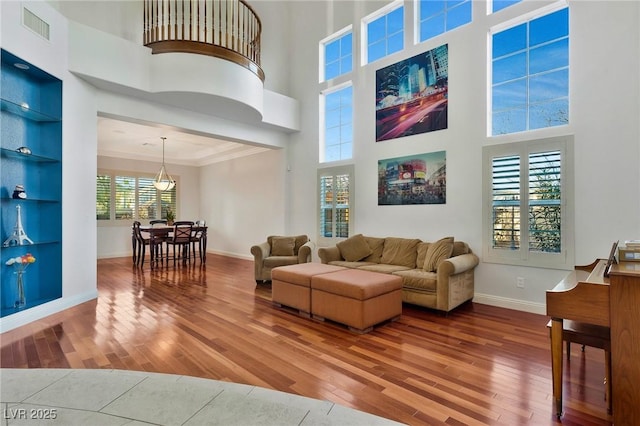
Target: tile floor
[118,397]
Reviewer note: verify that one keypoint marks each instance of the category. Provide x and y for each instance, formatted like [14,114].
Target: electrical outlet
[520,282]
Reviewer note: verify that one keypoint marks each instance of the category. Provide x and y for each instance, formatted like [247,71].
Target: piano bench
[595,336]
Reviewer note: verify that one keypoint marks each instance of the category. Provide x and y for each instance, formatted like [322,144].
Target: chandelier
[163,180]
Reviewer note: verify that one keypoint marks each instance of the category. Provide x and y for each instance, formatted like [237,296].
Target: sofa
[279,251]
[437,275]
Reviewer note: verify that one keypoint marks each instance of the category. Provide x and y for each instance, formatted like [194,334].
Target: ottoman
[291,285]
[356,298]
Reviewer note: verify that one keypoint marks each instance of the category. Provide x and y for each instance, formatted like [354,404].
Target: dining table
[159,232]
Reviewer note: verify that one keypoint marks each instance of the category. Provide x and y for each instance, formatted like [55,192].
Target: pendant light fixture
[163,181]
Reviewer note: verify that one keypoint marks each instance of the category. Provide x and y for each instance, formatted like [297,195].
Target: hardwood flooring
[479,365]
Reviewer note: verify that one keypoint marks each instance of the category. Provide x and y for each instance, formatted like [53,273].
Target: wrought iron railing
[227,29]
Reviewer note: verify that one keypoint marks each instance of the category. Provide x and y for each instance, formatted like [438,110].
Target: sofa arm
[329,254]
[304,253]
[260,252]
[455,281]
[458,264]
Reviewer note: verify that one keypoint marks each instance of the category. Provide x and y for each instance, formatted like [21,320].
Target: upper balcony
[227,29]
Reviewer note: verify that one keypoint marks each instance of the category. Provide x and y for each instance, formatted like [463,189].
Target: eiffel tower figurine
[19,237]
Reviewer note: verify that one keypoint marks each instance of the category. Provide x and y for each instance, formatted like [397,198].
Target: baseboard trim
[38,312]
[229,254]
[515,304]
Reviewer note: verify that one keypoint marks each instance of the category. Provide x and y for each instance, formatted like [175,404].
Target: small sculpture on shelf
[24,150]
[19,237]
[18,193]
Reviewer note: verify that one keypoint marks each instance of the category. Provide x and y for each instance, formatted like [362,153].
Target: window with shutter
[124,197]
[529,186]
[336,202]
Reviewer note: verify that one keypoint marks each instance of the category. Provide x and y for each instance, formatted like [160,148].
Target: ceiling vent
[35,24]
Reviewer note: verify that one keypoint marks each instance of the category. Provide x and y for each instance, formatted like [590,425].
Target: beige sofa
[279,251]
[437,275]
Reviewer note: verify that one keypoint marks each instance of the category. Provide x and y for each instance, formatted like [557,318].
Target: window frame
[364,30]
[322,50]
[347,169]
[512,23]
[523,256]
[491,6]
[418,20]
[323,123]
[113,174]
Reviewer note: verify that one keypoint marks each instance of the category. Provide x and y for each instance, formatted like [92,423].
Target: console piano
[587,296]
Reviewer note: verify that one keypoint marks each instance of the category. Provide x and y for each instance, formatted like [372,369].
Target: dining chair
[139,244]
[180,241]
[158,221]
[197,239]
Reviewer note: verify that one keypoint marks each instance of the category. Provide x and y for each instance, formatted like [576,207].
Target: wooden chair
[180,241]
[590,335]
[139,244]
[196,239]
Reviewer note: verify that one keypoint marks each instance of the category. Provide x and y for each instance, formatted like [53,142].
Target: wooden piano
[587,296]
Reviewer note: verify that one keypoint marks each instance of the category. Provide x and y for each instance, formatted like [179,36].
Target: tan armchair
[279,251]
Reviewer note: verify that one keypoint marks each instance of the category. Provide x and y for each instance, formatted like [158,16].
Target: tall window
[338,124]
[530,75]
[384,32]
[335,191]
[127,197]
[497,5]
[528,185]
[438,17]
[336,53]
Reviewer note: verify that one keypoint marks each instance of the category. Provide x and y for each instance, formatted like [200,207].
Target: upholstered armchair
[279,251]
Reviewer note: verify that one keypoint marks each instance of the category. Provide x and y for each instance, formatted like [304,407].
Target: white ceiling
[141,141]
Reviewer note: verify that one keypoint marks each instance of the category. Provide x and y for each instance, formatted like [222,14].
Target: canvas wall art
[411,95]
[415,179]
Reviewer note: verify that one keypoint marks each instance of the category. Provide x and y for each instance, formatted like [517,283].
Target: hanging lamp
[163,180]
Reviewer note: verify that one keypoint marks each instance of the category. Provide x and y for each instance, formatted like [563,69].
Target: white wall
[605,78]
[243,201]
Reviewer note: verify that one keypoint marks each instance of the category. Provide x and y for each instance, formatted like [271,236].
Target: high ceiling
[136,141]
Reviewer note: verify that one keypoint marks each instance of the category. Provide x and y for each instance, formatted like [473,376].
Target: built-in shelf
[8,153]
[27,200]
[31,115]
[24,110]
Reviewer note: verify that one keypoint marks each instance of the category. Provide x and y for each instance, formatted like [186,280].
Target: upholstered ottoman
[358,299]
[291,285]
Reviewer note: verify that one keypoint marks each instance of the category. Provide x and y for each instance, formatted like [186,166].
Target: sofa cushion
[418,279]
[354,248]
[383,268]
[460,247]
[275,261]
[352,265]
[421,253]
[437,252]
[376,244]
[400,251]
[283,246]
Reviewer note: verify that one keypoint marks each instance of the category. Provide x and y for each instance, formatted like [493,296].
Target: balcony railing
[227,29]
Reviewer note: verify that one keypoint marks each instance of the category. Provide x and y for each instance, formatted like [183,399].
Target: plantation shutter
[506,202]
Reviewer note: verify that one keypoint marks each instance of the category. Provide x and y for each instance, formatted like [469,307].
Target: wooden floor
[480,365]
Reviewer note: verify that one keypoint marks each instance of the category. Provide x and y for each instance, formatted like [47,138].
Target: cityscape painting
[416,179]
[411,95]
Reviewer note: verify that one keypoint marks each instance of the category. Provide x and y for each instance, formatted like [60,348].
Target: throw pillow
[282,246]
[354,248]
[437,252]
[400,251]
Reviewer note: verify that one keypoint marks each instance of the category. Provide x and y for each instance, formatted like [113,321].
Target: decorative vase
[20,301]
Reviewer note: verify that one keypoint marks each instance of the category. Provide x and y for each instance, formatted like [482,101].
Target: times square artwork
[411,95]
[414,179]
